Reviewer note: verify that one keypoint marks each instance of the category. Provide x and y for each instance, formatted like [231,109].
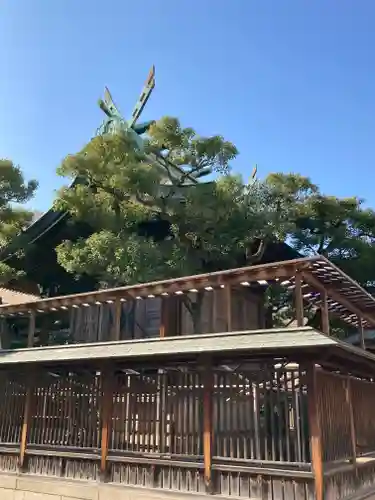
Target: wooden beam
[353,437]
[268,272]
[117,324]
[315,431]
[107,381]
[28,413]
[311,280]
[207,426]
[325,313]
[31,331]
[299,299]
[361,332]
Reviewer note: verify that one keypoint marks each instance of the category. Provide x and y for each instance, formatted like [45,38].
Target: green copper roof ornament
[114,122]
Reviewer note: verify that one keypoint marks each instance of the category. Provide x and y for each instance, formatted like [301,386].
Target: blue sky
[290,82]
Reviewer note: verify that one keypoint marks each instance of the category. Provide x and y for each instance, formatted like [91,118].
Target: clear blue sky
[290,82]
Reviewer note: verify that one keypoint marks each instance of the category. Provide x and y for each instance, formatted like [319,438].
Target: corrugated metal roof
[13,297]
[254,341]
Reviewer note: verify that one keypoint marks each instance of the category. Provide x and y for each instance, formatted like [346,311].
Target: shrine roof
[267,341]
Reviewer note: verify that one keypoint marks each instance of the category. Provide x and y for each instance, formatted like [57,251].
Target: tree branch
[258,254]
[146,203]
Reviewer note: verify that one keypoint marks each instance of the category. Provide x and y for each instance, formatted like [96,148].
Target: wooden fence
[347,428]
[190,429]
[240,432]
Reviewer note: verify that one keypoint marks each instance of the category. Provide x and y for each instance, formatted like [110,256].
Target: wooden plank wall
[136,319]
[142,318]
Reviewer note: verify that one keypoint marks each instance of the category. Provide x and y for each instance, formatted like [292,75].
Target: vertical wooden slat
[117,324]
[207,425]
[325,314]
[271,406]
[31,331]
[351,420]
[128,410]
[228,305]
[298,299]
[361,332]
[287,413]
[282,433]
[134,411]
[256,410]
[107,382]
[315,431]
[162,382]
[28,412]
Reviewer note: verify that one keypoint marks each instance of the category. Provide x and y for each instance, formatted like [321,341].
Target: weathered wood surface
[143,318]
[154,427]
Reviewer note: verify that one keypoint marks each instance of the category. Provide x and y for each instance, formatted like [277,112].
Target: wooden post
[107,381]
[28,413]
[117,325]
[214,304]
[163,380]
[325,313]
[31,332]
[315,431]
[228,305]
[207,426]
[174,315]
[361,332]
[163,329]
[299,299]
[353,437]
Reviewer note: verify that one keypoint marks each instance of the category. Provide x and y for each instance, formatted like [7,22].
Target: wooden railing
[236,431]
[347,434]
[195,429]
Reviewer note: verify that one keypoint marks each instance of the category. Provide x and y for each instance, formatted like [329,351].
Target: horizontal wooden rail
[337,467]
[267,471]
[9,450]
[157,461]
[263,463]
[62,454]
[154,458]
